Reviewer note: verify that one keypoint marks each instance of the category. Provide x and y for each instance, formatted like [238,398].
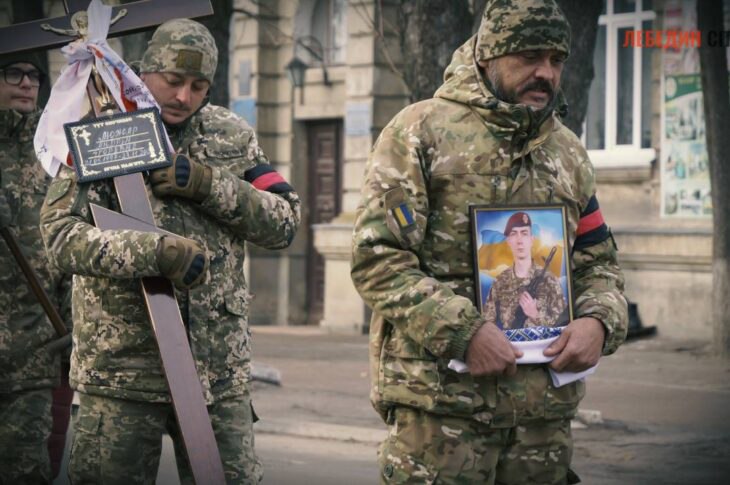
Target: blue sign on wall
[246,109]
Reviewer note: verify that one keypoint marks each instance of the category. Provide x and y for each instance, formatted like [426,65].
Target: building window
[329,26]
[619,101]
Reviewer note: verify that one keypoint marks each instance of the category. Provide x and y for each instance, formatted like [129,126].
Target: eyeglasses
[14,76]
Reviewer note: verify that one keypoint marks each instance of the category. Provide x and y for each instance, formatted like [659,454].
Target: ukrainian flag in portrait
[494,256]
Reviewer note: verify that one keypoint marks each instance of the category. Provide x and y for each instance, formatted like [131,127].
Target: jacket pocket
[449,230]
[471,188]
[562,402]
[232,158]
[86,448]
[237,305]
[397,466]
[428,385]
[231,335]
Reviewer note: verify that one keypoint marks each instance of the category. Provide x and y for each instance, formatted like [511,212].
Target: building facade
[644,131]
[320,133]
[646,139]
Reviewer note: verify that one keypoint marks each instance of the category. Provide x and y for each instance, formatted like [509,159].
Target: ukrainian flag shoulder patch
[404,218]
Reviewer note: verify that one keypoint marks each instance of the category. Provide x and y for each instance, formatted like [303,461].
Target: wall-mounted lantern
[296,68]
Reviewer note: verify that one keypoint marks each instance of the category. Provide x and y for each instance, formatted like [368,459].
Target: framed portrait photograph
[522,268]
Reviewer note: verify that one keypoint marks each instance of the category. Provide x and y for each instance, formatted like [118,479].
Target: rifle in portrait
[520,316]
[136,213]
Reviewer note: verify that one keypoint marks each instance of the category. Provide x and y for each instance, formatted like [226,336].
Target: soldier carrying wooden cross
[129,362]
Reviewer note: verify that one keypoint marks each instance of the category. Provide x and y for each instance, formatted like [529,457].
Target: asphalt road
[665,407]
[303,461]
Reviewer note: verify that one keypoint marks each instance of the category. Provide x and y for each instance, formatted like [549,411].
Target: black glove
[182,260]
[184,178]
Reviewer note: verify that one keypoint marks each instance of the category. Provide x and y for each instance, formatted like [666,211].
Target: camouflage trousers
[25,425]
[424,448]
[118,441]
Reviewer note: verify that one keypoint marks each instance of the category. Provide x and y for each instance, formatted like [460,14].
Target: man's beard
[495,79]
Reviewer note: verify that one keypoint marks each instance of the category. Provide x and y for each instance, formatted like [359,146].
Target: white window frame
[626,155]
[329,42]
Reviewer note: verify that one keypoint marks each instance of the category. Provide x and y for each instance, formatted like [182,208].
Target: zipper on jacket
[515,171]
[495,188]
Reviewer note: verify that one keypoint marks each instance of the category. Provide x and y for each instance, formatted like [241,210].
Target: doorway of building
[324,140]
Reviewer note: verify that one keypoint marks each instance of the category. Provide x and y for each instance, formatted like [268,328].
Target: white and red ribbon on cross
[67,95]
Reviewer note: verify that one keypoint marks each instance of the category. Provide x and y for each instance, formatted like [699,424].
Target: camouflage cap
[510,26]
[182,46]
[518,219]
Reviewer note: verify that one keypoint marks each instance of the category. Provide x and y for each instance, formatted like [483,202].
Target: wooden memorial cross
[141,15]
[35,285]
[169,329]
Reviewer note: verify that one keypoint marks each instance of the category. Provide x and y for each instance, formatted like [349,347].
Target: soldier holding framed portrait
[491,136]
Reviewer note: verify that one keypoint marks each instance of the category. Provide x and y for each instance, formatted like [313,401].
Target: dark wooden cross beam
[141,15]
[169,329]
[35,285]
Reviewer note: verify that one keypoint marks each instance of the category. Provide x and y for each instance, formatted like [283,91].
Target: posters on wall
[685,166]
[685,174]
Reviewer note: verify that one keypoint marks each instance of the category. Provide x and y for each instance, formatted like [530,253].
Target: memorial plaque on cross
[136,213]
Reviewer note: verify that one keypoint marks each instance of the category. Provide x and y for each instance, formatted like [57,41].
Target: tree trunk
[431,31]
[713,65]
[134,46]
[220,25]
[578,73]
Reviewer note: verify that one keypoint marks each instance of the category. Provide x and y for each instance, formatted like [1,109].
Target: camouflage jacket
[412,256]
[25,330]
[115,352]
[503,299]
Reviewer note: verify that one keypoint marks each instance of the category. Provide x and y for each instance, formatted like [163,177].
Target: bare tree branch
[380,36]
[430,32]
[276,35]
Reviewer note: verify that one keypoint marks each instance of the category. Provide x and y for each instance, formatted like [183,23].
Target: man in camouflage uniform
[28,369]
[490,135]
[220,192]
[509,291]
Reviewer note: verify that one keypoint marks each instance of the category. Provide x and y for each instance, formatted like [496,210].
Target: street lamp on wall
[296,68]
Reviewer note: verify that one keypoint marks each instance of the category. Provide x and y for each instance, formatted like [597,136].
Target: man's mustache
[538,85]
[178,106]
